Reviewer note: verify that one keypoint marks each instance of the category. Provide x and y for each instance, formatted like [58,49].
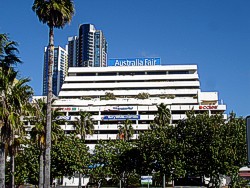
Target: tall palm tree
[15,95]
[38,116]
[56,14]
[18,101]
[83,126]
[126,130]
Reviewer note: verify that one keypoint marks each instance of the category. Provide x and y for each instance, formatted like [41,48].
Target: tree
[126,130]
[15,95]
[200,141]
[114,159]
[68,155]
[56,14]
[83,125]
[38,117]
[233,150]
[159,146]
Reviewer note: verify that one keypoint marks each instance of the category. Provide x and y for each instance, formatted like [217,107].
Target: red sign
[208,107]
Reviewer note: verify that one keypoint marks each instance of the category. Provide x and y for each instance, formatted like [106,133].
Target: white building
[178,86]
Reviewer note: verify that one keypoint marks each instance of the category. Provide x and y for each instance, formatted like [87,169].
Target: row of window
[133,73]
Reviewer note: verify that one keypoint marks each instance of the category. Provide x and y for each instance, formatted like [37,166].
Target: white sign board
[146,180]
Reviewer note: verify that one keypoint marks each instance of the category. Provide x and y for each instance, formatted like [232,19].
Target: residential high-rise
[88,49]
[59,70]
[92,47]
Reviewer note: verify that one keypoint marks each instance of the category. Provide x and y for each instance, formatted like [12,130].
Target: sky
[213,34]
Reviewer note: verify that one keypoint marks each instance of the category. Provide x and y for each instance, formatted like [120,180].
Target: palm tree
[38,116]
[14,98]
[56,14]
[83,126]
[126,130]
[18,101]
[162,118]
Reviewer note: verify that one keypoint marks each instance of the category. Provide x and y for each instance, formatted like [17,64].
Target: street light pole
[164,181]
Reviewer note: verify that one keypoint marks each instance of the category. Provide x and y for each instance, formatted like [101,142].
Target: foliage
[126,130]
[212,146]
[114,160]
[68,156]
[54,13]
[15,95]
[143,95]
[84,125]
[109,96]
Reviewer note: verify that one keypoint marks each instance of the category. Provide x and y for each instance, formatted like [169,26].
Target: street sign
[146,180]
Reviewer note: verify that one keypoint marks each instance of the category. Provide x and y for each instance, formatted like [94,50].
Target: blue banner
[121,117]
[134,62]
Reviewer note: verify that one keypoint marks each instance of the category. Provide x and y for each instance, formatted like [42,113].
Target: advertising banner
[134,62]
[121,117]
[119,108]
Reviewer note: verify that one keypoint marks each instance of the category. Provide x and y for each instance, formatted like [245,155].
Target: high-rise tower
[92,47]
[59,70]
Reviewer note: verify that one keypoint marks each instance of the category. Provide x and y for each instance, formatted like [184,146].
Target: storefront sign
[121,117]
[117,108]
[134,62]
[68,109]
[67,118]
[208,107]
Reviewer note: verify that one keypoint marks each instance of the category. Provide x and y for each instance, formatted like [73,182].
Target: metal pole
[164,181]
[148,180]
[120,183]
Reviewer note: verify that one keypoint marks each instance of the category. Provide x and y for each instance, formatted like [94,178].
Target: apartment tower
[89,49]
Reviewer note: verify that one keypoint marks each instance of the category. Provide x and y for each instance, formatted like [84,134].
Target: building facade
[59,70]
[86,89]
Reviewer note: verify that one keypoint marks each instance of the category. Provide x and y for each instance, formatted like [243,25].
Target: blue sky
[214,34]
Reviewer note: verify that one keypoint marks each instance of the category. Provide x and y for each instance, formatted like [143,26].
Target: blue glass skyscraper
[89,49]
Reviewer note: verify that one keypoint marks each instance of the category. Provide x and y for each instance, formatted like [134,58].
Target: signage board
[121,108]
[67,118]
[146,180]
[209,107]
[134,62]
[121,117]
[68,109]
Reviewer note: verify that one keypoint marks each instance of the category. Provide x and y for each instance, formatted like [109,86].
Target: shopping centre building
[131,89]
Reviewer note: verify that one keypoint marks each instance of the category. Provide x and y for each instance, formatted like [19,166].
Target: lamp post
[172,176]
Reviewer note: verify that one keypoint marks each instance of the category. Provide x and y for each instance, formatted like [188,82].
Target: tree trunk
[41,167]
[2,165]
[12,160]
[80,180]
[49,100]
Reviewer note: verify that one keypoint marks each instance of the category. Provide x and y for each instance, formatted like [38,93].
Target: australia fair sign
[134,62]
